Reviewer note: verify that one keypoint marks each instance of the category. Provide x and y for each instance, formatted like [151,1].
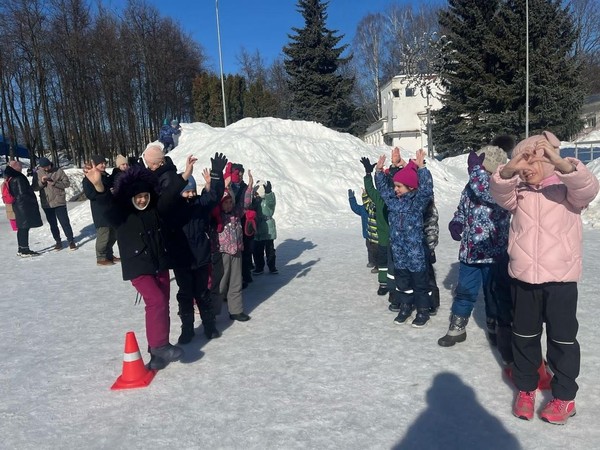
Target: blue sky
[261,25]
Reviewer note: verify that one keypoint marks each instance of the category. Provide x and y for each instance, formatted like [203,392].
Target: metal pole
[429,134]
[526,68]
[221,64]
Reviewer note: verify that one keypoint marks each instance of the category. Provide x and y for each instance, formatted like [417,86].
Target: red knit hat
[408,175]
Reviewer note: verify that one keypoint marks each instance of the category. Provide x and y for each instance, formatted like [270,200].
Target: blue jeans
[470,278]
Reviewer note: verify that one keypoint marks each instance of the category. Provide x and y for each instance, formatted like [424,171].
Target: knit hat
[98,159]
[44,162]
[494,157]
[175,122]
[135,180]
[408,175]
[120,160]
[190,186]
[528,146]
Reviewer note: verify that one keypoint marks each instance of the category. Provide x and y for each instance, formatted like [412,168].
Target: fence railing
[584,151]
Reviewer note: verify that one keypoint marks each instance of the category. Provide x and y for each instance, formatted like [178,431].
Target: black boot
[210,330]
[187,329]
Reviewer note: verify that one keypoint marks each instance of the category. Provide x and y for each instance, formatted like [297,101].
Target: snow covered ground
[320,365]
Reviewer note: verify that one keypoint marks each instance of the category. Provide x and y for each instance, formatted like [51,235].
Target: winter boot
[491,331]
[456,332]
[187,329]
[383,289]
[422,318]
[210,330]
[58,245]
[404,313]
[161,356]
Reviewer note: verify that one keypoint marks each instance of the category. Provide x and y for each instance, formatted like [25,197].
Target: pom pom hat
[494,157]
[120,160]
[408,175]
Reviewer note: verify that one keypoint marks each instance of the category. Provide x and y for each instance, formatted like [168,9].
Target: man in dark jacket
[25,206]
[106,235]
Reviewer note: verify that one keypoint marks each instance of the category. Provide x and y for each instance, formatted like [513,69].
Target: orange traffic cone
[135,374]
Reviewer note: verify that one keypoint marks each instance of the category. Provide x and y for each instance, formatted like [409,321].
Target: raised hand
[420,158]
[206,175]
[350,193]
[367,165]
[218,162]
[250,179]
[380,163]
[95,177]
[268,187]
[544,151]
[474,160]
[189,167]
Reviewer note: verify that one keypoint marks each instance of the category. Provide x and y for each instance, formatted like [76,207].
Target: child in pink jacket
[545,195]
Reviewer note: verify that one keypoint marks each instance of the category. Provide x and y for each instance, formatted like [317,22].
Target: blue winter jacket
[485,224]
[362,212]
[405,214]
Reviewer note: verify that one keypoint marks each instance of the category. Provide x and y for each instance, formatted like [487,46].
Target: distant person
[545,195]
[176,132]
[264,203]
[106,235]
[168,134]
[25,206]
[52,183]
[121,165]
[8,200]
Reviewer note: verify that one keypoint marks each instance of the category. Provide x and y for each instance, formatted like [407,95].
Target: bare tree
[368,48]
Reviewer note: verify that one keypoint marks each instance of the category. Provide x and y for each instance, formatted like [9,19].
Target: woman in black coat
[136,207]
[25,206]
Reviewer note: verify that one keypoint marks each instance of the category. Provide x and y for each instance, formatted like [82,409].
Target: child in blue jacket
[406,203]
[366,211]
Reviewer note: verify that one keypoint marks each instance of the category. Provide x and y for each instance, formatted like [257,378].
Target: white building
[404,114]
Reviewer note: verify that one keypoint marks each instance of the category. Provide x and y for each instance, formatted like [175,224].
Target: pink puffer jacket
[545,239]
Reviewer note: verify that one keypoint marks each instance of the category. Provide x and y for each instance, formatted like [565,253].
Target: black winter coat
[140,234]
[25,207]
[197,228]
[176,241]
[99,209]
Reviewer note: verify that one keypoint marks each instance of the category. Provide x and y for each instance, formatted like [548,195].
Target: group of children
[520,231]
[163,223]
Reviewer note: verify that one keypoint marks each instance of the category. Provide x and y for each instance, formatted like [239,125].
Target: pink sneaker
[524,405]
[558,411]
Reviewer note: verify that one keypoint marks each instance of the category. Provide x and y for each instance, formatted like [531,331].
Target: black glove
[218,163]
[350,193]
[268,188]
[368,166]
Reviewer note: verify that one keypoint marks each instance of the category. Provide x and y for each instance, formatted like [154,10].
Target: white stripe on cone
[130,357]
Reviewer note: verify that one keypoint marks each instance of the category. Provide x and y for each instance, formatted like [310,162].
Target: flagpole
[221,63]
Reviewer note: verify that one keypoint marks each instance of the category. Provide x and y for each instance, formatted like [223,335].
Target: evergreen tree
[484,72]
[319,91]
[259,102]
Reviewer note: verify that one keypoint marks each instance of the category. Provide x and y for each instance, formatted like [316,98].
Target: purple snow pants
[155,290]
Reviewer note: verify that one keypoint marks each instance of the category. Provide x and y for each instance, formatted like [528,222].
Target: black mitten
[268,188]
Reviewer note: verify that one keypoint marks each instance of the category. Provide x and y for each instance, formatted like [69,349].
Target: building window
[410,92]
[396,92]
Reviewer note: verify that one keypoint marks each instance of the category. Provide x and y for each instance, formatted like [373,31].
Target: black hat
[44,162]
[97,159]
